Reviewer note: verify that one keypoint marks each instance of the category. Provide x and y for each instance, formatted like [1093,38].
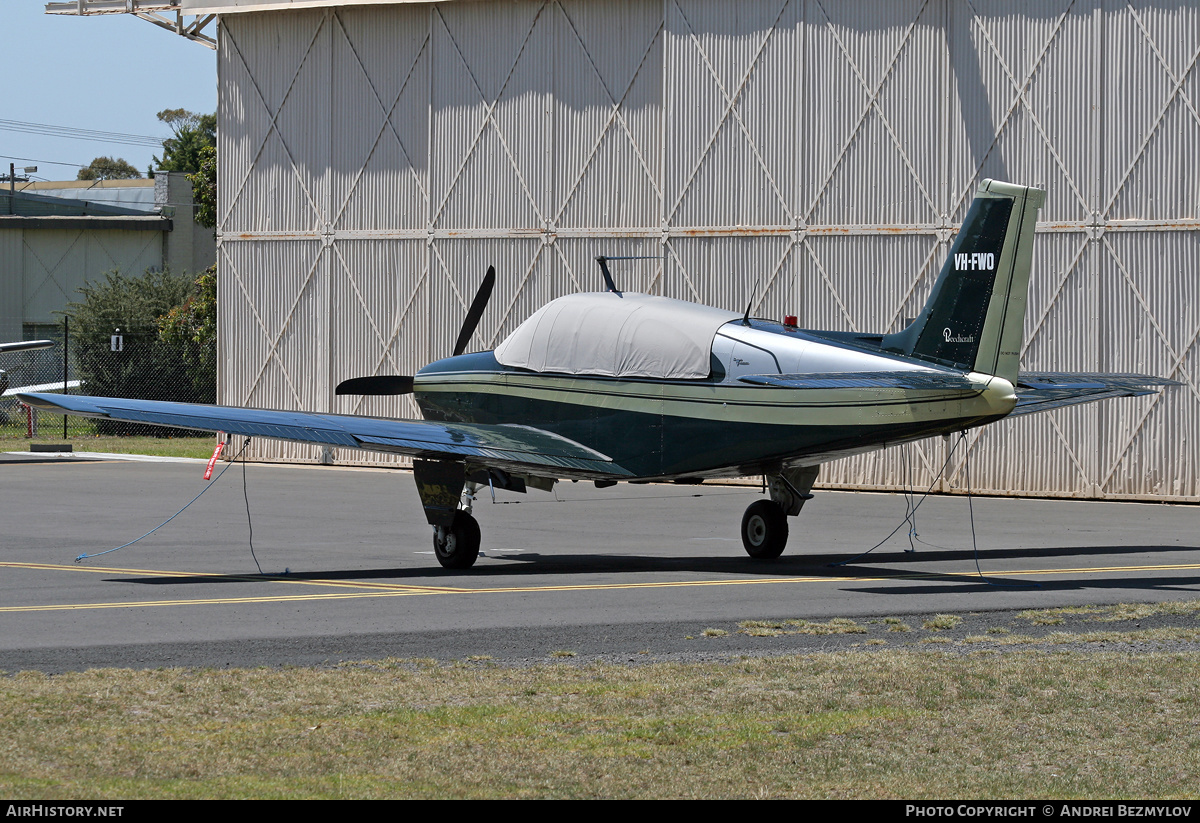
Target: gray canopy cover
[629,335]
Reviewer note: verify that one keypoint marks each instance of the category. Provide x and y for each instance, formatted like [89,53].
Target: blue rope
[909,513]
[172,517]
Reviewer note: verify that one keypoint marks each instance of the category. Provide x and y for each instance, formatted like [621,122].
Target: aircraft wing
[512,448]
[26,345]
[71,384]
[1043,391]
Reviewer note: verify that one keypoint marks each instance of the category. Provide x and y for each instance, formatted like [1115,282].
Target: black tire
[457,547]
[764,530]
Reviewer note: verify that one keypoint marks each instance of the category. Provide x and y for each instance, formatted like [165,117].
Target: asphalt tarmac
[626,573]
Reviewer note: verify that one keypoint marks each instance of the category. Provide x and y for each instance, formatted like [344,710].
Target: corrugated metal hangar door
[812,157]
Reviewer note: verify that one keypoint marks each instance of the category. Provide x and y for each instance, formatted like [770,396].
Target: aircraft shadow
[900,565]
[962,583]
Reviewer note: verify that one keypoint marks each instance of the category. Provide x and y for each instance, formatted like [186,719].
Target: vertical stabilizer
[975,316]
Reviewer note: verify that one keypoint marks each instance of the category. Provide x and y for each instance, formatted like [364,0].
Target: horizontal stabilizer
[513,448]
[919,380]
[1043,391]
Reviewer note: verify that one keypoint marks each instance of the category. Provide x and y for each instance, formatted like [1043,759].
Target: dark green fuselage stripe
[660,445]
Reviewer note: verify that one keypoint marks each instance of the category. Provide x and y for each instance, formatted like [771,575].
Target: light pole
[12,182]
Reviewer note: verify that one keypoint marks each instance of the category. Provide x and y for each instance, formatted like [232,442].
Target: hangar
[811,157]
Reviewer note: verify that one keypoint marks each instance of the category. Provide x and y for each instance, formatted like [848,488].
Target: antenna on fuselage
[608,280]
[750,302]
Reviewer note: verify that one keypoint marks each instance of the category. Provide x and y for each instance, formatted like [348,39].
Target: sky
[109,73]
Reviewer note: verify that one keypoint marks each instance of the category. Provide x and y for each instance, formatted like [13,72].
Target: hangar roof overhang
[190,17]
[235,6]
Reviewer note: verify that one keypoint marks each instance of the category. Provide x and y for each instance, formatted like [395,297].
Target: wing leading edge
[512,448]
[1043,391]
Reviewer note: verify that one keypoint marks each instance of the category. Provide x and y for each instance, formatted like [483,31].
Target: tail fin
[975,316]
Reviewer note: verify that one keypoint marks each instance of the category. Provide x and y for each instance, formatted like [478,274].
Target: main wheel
[764,530]
[457,547]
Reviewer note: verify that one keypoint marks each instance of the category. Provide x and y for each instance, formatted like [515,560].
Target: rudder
[974,318]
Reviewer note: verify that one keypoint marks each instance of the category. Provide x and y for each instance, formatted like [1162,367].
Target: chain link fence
[122,362]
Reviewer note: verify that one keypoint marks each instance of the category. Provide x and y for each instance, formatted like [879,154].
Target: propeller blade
[383,384]
[391,384]
[476,311]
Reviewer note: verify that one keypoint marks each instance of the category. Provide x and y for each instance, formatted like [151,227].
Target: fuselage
[718,425]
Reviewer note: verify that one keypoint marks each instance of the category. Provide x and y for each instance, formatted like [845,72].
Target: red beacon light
[790,321]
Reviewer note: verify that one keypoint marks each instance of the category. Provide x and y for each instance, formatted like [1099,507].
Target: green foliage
[204,188]
[107,168]
[192,133]
[189,332]
[147,367]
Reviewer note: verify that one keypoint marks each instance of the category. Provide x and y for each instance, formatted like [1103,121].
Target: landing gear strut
[764,525]
[446,496]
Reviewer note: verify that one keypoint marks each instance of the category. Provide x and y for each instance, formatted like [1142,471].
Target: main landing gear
[446,496]
[457,545]
[764,530]
[764,525]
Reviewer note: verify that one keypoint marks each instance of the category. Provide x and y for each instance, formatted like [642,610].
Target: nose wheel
[457,545]
[764,530]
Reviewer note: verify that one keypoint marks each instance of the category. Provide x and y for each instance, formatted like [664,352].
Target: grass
[201,447]
[171,443]
[775,628]
[1111,614]
[868,724]
[941,622]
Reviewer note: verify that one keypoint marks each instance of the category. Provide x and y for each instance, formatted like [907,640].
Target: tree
[144,366]
[189,332]
[191,132]
[106,168]
[204,188]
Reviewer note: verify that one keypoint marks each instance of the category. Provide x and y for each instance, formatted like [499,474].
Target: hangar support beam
[167,15]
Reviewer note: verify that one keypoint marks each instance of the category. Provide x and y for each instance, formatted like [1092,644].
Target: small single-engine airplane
[615,387]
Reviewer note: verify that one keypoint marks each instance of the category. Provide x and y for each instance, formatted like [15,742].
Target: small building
[56,236]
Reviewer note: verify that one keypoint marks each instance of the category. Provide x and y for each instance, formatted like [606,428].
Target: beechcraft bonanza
[615,387]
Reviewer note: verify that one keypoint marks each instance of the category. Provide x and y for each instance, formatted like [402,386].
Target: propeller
[476,311]
[392,384]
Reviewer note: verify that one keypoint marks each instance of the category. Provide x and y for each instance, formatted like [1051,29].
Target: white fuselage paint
[743,351]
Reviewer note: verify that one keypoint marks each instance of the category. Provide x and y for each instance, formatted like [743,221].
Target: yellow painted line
[1095,569]
[391,590]
[283,598]
[298,581]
